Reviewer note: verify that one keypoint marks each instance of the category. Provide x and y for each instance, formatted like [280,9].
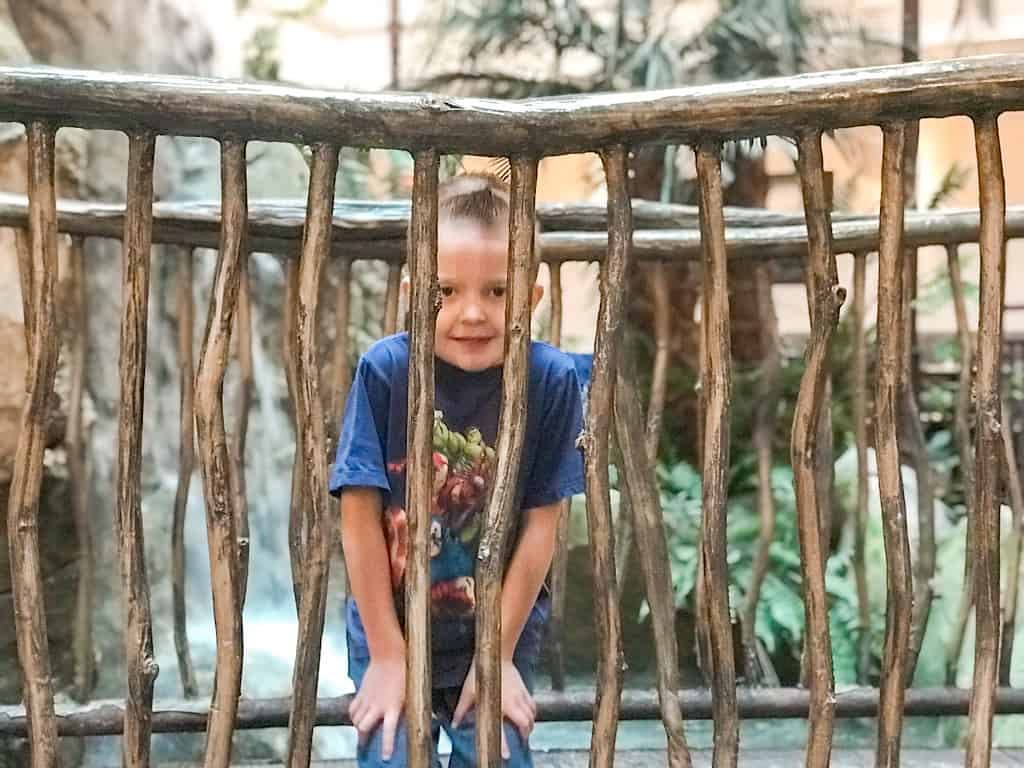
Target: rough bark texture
[186,463]
[298,514]
[610,319]
[860,426]
[311,439]
[496,538]
[988,451]
[423,309]
[560,559]
[106,717]
[237,441]
[764,438]
[84,649]
[962,433]
[138,623]
[493,127]
[652,549]
[214,461]
[23,498]
[277,228]
[824,299]
[716,378]
[890,482]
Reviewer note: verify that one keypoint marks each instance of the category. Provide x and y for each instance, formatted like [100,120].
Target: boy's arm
[526,572]
[381,695]
[366,559]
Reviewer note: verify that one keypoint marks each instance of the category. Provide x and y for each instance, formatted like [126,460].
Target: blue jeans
[463,738]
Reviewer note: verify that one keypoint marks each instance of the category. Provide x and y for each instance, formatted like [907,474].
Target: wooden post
[342,367]
[988,450]
[495,540]
[214,460]
[716,380]
[84,650]
[298,513]
[26,480]
[310,422]
[962,433]
[391,298]
[26,273]
[824,299]
[860,428]
[764,439]
[138,633]
[236,442]
[560,561]
[423,307]
[186,463]
[652,549]
[890,482]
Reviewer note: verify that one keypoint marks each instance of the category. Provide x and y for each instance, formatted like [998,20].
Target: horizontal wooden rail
[106,717]
[190,106]
[662,233]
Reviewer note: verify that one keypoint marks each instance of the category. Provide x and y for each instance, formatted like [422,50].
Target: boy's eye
[498,292]
[447,291]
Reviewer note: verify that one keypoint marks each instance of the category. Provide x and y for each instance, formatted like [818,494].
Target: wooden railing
[234,113]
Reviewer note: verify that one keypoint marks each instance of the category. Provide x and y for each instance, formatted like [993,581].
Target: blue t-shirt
[372,453]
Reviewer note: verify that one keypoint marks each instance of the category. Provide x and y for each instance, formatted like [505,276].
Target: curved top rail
[190,106]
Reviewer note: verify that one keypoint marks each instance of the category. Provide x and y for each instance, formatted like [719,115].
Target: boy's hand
[517,705]
[380,701]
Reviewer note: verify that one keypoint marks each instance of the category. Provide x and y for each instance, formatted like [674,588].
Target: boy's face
[472,272]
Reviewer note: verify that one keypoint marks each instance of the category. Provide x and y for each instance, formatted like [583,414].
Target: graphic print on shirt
[463,473]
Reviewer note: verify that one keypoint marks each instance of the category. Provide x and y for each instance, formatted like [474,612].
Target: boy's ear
[538,294]
[404,288]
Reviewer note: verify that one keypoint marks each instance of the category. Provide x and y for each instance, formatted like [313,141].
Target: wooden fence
[232,113]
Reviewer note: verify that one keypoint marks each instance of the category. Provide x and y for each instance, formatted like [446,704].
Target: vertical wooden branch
[236,442]
[890,482]
[987,441]
[84,652]
[498,522]
[141,666]
[962,433]
[860,429]
[391,299]
[26,480]
[23,247]
[1012,470]
[419,490]
[316,244]
[659,284]
[342,367]
[297,513]
[917,448]
[702,622]
[560,561]
[716,378]
[215,462]
[764,438]
[824,299]
[186,463]
[652,548]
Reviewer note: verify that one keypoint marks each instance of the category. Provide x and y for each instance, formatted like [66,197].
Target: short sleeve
[360,457]
[558,463]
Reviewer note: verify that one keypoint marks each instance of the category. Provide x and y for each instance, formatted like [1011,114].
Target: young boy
[369,475]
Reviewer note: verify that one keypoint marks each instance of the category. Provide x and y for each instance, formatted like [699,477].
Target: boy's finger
[463,707]
[505,753]
[388,741]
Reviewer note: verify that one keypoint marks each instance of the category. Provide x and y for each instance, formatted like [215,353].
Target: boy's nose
[471,312]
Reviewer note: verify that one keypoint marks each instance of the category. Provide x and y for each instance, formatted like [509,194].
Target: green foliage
[779,621]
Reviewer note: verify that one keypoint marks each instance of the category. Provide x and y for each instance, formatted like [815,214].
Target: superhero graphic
[463,473]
